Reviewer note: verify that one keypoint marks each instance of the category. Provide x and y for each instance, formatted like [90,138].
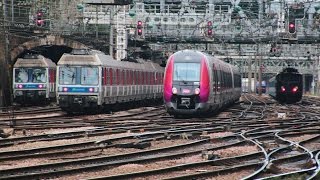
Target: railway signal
[39,18]
[209,26]
[139,28]
[292,27]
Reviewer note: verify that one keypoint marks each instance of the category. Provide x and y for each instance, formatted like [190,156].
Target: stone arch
[47,40]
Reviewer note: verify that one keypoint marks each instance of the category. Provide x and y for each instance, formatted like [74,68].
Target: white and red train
[33,80]
[89,80]
[198,83]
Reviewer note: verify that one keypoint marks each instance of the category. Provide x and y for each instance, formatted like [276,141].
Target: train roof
[187,54]
[34,61]
[100,59]
[289,70]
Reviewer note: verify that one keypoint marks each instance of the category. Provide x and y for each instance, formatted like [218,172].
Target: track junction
[256,138]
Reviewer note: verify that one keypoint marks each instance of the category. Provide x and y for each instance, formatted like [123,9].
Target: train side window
[222,79]
[151,78]
[148,77]
[110,76]
[162,76]
[132,82]
[106,75]
[103,78]
[129,77]
[216,79]
[157,78]
[219,78]
[53,75]
[123,77]
[135,77]
[142,77]
[117,77]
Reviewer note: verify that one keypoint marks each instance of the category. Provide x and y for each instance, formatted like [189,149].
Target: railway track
[247,141]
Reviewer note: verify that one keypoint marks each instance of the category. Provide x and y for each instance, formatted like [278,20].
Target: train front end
[289,88]
[30,85]
[78,84]
[186,83]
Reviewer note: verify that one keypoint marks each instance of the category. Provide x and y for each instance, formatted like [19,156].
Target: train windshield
[89,76]
[67,75]
[292,77]
[186,72]
[30,75]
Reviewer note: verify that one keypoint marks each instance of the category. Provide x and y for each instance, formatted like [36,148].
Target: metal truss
[273,65]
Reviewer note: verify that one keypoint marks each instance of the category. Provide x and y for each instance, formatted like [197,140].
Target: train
[196,83]
[286,86]
[263,87]
[34,80]
[89,80]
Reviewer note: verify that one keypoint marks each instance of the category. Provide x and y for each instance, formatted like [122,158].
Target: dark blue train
[286,87]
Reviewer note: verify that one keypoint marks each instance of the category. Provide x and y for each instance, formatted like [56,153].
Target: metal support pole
[96,22]
[260,76]
[12,11]
[304,83]
[249,75]
[255,73]
[111,32]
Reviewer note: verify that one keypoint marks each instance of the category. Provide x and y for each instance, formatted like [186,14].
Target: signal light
[292,27]
[39,19]
[283,89]
[209,25]
[139,32]
[139,28]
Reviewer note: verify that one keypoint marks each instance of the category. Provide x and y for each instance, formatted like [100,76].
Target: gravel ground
[301,138]
[40,144]
[219,134]
[235,151]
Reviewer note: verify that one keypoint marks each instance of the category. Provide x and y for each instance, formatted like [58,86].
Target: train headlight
[283,89]
[65,89]
[197,91]
[41,86]
[295,89]
[19,86]
[91,89]
[174,90]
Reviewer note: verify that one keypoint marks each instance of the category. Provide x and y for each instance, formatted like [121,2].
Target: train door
[214,83]
[52,81]
[218,84]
